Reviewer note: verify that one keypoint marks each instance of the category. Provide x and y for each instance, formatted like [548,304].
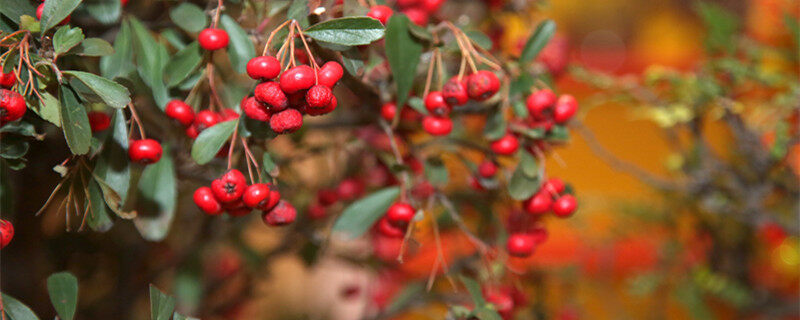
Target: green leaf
[14,9]
[105,11]
[113,165]
[528,164]
[722,26]
[209,141]
[112,93]
[63,290]
[151,59]
[157,197]
[13,147]
[49,109]
[65,38]
[178,316]
[522,186]
[189,17]
[495,126]
[56,11]
[17,310]
[161,305]
[277,6]
[182,64]
[74,122]
[403,53]
[350,31]
[119,64]
[93,47]
[20,128]
[480,39]
[417,104]
[436,172]
[98,219]
[352,61]
[544,32]
[29,23]
[240,48]
[267,164]
[113,199]
[474,290]
[298,10]
[359,216]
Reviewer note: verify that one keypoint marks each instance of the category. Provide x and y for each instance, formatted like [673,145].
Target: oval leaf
[63,290]
[521,186]
[65,38]
[74,122]
[112,93]
[350,31]
[182,64]
[189,17]
[99,219]
[157,195]
[362,214]
[403,53]
[209,141]
[93,47]
[240,48]
[17,310]
[544,32]
[113,165]
[56,11]
[161,305]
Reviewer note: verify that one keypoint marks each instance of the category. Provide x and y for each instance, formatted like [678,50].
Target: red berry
[206,119]
[316,211]
[387,229]
[255,110]
[213,39]
[6,233]
[229,187]
[123,2]
[520,245]
[487,169]
[7,80]
[329,74]
[180,111]
[482,85]
[417,16]
[12,106]
[539,203]
[262,196]
[553,186]
[319,97]
[204,199]
[400,214]
[272,96]
[565,108]
[422,190]
[349,189]
[388,111]
[538,234]
[327,197]
[283,213]
[431,6]
[192,132]
[40,10]
[297,78]
[506,145]
[98,121]
[286,121]
[565,206]
[228,115]
[436,105]
[555,54]
[263,68]
[407,3]
[437,126]
[455,92]
[502,302]
[381,13]
[145,151]
[540,103]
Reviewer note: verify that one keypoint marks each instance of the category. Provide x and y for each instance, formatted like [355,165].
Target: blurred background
[631,252]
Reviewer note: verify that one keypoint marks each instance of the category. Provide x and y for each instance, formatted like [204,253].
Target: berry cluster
[12,106]
[299,90]
[546,110]
[552,196]
[196,123]
[396,220]
[478,86]
[418,11]
[230,193]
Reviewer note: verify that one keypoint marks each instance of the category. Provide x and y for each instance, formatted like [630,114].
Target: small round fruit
[553,186]
[192,132]
[417,16]
[520,245]
[349,189]
[261,196]
[286,121]
[327,197]
[282,214]
[180,111]
[435,104]
[263,68]
[272,96]
[40,11]
[566,106]
[98,121]
[6,233]
[455,92]
[387,229]
[318,97]
[228,114]
[400,214]
[329,74]
[502,302]
[205,200]
[506,145]
[316,211]
[229,187]
[389,111]
[482,85]
[213,39]
[255,110]
[431,6]
[12,106]
[565,206]
[206,119]
[145,151]
[381,13]
[437,126]
[539,203]
[487,169]
[297,78]
[7,80]
[539,103]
